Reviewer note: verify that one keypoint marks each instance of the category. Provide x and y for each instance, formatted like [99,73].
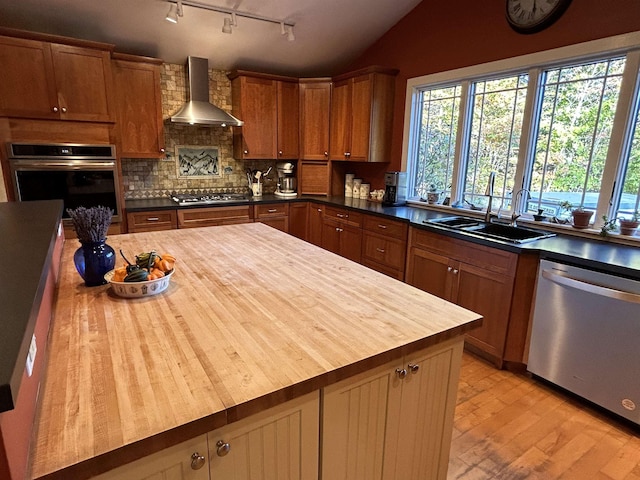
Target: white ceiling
[329,34]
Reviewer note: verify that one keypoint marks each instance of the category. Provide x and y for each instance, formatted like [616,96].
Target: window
[556,126]
[578,104]
[496,123]
[439,112]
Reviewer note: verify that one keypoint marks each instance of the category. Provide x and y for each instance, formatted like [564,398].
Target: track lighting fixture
[226,28]
[175,11]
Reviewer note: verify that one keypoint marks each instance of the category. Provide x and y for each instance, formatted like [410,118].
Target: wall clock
[530,16]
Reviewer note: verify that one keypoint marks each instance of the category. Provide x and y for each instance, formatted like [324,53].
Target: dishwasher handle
[562,278]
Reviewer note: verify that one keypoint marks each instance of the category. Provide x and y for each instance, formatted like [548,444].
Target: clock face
[529,16]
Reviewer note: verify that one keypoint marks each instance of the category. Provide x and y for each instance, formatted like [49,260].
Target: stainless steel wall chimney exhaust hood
[198,110]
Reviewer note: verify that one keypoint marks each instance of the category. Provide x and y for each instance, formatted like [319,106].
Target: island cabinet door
[279,443]
[394,422]
[185,461]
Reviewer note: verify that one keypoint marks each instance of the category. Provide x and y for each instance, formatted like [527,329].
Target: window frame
[534,64]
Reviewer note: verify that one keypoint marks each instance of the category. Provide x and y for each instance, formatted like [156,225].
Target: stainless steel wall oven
[80,175]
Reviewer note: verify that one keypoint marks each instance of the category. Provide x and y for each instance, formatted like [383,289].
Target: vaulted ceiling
[329,34]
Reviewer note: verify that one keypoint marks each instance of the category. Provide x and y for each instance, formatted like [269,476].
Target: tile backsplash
[149,178]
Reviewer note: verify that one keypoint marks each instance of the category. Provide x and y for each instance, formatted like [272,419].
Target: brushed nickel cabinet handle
[382,226]
[197,461]
[401,373]
[272,210]
[223,448]
[381,250]
[152,219]
[413,368]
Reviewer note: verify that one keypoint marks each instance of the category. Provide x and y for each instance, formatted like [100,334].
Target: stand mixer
[286,180]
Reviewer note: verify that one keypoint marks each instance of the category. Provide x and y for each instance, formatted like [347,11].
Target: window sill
[591,233]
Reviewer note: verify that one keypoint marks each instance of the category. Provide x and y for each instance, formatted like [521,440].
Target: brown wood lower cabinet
[206,217]
[342,232]
[152,220]
[473,276]
[315,222]
[275,215]
[384,245]
[298,219]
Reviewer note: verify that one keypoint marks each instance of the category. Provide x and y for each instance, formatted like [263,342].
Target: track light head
[172,14]
[226,28]
[289,31]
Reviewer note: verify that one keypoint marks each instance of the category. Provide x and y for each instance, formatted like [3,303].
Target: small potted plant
[628,226]
[581,217]
[432,194]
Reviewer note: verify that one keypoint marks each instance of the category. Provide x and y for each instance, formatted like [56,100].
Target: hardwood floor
[509,426]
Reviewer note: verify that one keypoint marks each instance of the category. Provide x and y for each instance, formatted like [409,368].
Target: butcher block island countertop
[252,318]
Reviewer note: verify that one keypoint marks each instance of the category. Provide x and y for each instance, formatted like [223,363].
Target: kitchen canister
[356,187]
[348,184]
[365,188]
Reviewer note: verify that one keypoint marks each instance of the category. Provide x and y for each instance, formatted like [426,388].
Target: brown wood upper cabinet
[268,106]
[55,81]
[139,106]
[362,115]
[315,105]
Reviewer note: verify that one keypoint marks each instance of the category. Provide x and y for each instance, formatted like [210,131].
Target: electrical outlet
[31,356]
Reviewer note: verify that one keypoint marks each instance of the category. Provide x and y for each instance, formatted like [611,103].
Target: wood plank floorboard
[509,426]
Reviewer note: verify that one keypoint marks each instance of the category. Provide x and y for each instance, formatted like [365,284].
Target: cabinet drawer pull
[280,152]
[197,461]
[449,269]
[246,152]
[319,210]
[339,215]
[381,250]
[401,373]
[152,219]
[272,210]
[413,368]
[55,109]
[382,226]
[64,110]
[455,271]
[223,448]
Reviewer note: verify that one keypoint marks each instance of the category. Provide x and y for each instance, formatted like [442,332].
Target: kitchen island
[253,319]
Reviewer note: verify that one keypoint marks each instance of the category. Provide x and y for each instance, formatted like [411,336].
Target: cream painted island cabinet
[267,357]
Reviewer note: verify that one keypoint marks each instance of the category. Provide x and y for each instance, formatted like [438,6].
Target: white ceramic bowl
[139,289]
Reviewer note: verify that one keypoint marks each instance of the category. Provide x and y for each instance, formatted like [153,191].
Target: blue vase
[93,260]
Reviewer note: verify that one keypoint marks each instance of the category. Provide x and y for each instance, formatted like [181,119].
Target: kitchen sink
[497,231]
[456,222]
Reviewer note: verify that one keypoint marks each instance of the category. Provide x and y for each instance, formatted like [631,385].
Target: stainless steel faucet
[489,193]
[517,208]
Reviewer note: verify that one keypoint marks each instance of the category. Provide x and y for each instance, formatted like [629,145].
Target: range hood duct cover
[198,110]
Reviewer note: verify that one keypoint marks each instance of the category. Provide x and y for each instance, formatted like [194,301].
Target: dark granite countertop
[596,253]
[27,237]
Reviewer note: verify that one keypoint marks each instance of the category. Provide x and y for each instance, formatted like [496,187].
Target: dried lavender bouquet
[91,224]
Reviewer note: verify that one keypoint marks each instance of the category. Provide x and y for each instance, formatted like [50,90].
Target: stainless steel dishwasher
[585,336]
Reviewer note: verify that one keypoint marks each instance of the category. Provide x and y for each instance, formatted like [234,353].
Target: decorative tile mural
[197,162]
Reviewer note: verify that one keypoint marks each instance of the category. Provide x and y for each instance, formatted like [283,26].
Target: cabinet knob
[449,269]
[197,461]
[55,109]
[326,154]
[455,271]
[280,152]
[319,210]
[64,109]
[223,448]
[162,150]
[246,152]
[401,373]
[413,368]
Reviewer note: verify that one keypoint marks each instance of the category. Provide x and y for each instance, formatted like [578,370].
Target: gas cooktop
[183,199]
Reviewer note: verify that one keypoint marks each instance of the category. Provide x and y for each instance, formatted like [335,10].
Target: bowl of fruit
[149,275]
